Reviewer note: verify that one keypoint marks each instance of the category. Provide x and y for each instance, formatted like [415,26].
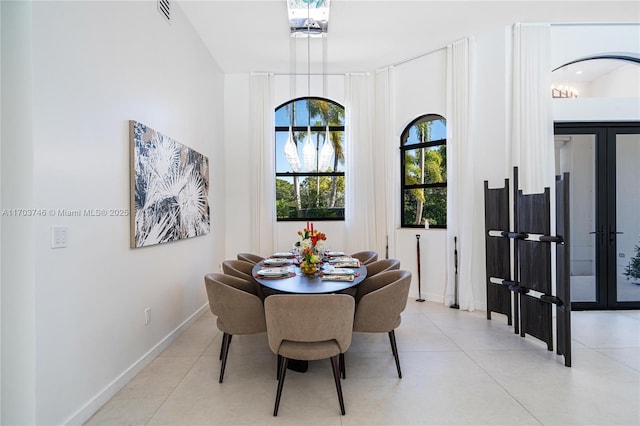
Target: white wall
[623,82]
[419,89]
[572,42]
[18,281]
[98,65]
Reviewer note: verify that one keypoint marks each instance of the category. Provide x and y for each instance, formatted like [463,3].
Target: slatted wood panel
[498,249]
[529,245]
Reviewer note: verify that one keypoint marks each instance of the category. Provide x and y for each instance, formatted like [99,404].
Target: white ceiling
[253,35]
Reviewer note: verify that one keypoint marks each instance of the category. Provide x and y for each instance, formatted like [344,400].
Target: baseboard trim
[95,403]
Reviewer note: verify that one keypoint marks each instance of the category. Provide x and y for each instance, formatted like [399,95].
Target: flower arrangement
[311,243]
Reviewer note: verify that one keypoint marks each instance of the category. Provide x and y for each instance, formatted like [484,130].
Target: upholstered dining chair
[243,269]
[250,257]
[239,310]
[381,265]
[366,257]
[309,327]
[382,300]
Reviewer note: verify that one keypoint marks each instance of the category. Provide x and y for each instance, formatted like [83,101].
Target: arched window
[309,160]
[423,148]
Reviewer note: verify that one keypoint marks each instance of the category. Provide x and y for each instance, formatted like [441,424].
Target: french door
[603,160]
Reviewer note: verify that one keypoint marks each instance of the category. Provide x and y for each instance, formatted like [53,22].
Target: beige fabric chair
[380,306]
[243,269]
[239,311]
[366,257]
[250,257]
[382,265]
[309,327]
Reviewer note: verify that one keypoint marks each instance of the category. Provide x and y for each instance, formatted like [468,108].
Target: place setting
[338,274]
[274,273]
[344,262]
[278,261]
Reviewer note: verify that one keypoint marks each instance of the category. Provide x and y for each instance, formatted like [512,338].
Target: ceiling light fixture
[308,18]
[563,92]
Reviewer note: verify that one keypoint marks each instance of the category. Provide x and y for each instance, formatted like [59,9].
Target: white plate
[273,272]
[279,261]
[282,254]
[338,271]
[335,253]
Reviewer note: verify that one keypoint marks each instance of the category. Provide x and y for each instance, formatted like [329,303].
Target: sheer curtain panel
[360,213]
[462,200]
[263,164]
[532,119]
[386,158]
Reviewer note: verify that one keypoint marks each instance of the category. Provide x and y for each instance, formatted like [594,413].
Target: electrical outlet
[147,316]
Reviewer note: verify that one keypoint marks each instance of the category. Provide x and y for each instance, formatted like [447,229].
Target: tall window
[423,147]
[310,160]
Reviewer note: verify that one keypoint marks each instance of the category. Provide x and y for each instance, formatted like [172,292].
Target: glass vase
[308,268]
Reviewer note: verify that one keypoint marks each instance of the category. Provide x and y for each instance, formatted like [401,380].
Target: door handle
[612,235]
[600,233]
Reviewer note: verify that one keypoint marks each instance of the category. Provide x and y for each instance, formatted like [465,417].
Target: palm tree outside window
[309,135]
[423,147]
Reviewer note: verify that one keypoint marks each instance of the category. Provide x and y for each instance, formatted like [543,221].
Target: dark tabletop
[303,284]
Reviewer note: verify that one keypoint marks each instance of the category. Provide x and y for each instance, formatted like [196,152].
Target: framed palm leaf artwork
[169,188]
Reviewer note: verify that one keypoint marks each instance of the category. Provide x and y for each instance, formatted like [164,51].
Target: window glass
[424,173]
[309,143]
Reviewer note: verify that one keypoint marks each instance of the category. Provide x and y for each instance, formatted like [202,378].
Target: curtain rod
[414,57]
[558,24]
[306,74]
[580,24]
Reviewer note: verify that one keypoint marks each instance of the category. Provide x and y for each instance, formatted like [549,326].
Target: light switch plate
[59,236]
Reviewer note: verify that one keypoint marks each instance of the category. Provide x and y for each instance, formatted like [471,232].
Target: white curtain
[386,162]
[532,119]
[462,200]
[262,191]
[360,213]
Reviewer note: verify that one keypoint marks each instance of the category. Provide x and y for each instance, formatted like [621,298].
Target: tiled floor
[458,368]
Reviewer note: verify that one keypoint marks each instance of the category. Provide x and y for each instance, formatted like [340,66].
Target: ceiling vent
[164,7]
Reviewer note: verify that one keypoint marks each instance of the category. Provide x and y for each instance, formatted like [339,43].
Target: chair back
[250,257]
[239,311]
[380,308]
[382,265]
[243,269]
[366,257]
[309,318]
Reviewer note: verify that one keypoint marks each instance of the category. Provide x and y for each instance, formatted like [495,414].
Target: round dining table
[299,283]
[295,282]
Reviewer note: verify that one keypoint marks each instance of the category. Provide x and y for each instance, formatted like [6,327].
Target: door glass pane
[628,217]
[575,154]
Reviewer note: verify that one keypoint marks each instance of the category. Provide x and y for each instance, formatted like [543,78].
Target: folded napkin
[350,263]
[340,258]
[277,261]
[334,277]
[282,254]
[338,271]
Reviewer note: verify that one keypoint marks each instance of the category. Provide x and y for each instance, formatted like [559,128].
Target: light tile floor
[458,369]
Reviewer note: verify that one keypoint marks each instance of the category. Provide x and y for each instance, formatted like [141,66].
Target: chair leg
[222,345]
[336,377]
[343,368]
[283,370]
[278,366]
[226,341]
[394,349]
